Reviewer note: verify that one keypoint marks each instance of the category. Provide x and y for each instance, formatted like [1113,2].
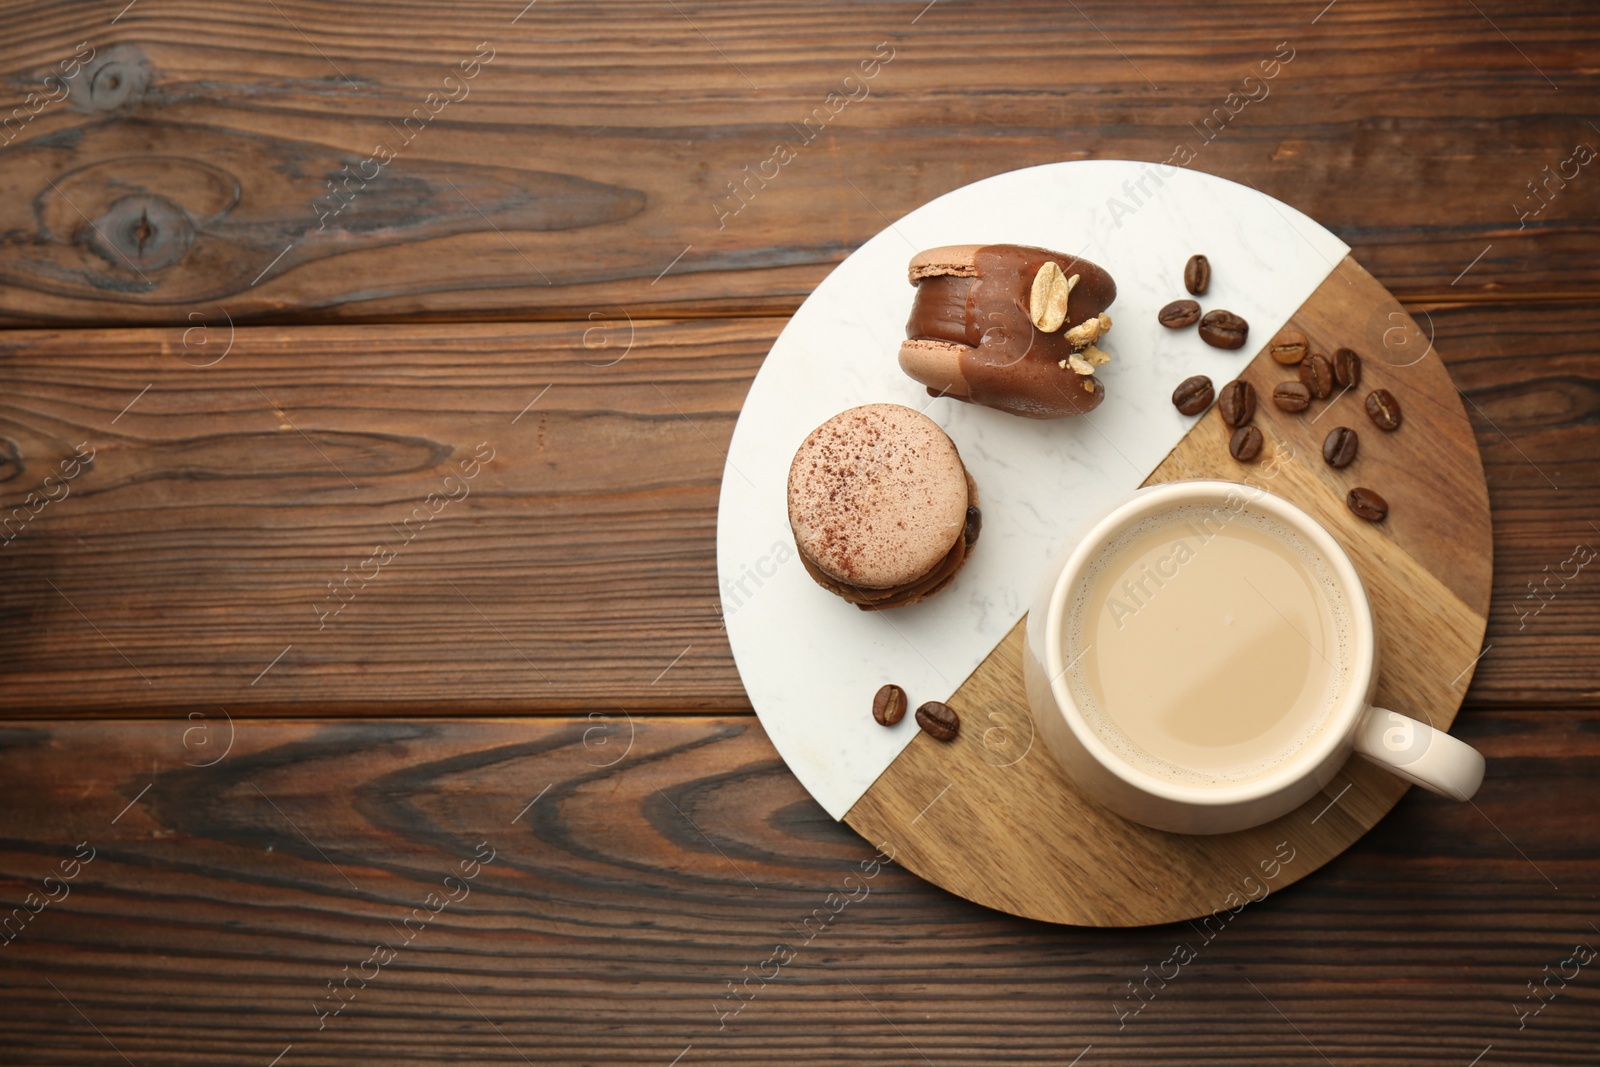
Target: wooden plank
[575,564]
[222,900]
[1531,391]
[203,538]
[626,157]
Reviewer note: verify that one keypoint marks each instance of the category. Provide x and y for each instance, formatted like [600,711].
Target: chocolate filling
[909,593]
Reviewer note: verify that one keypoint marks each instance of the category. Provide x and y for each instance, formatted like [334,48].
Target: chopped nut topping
[1088,331]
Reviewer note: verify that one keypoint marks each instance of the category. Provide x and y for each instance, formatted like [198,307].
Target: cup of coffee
[1203,660]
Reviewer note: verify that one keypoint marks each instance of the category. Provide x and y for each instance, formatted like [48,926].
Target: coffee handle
[1420,754]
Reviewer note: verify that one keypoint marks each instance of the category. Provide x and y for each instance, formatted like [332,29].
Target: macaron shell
[877,496]
[960,261]
[936,364]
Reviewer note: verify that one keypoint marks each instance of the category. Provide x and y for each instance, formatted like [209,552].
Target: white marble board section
[810,662]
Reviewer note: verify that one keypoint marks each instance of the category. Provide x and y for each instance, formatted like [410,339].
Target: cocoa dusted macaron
[1009,327]
[882,509]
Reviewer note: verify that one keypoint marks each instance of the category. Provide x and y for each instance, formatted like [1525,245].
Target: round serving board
[991,818]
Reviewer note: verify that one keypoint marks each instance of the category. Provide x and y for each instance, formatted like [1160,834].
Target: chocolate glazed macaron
[882,509]
[1009,327]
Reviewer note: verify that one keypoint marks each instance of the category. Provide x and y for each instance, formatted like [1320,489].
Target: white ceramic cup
[1401,745]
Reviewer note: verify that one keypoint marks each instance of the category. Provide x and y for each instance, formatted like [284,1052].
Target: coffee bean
[1237,402]
[1289,347]
[1367,504]
[1193,395]
[1197,275]
[938,721]
[1245,444]
[1384,409]
[1339,448]
[1223,329]
[1292,396]
[1178,314]
[974,526]
[889,706]
[1346,368]
[1317,373]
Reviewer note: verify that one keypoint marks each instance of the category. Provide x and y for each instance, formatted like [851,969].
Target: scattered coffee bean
[1289,347]
[1223,329]
[1384,409]
[1339,448]
[1317,373]
[1245,444]
[1346,368]
[1292,396]
[1197,275]
[938,720]
[1367,504]
[889,706]
[974,527]
[1237,402]
[1178,314]
[1193,395]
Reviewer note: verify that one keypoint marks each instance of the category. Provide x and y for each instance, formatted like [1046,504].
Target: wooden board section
[993,819]
[201,568]
[617,909]
[596,149]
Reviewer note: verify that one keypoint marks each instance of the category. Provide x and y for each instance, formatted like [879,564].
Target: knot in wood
[142,232]
[10,459]
[116,78]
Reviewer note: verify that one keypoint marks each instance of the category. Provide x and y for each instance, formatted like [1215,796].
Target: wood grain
[183,173]
[222,901]
[1000,824]
[580,181]
[1532,389]
[574,566]
[209,526]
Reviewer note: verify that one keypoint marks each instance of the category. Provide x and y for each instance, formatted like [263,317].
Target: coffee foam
[1080,610]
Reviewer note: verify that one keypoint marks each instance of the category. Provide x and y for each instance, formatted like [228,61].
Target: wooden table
[365,693]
